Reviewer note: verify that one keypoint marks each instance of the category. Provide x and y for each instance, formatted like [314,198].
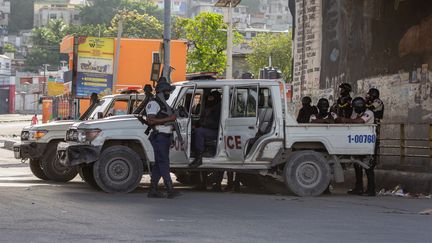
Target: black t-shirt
[305,114]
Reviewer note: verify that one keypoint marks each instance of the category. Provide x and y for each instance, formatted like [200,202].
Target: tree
[9,48]
[136,25]
[207,36]
[103,11]
[277,46]
[46,49]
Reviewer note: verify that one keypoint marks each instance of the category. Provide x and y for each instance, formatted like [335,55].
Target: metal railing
[403,141]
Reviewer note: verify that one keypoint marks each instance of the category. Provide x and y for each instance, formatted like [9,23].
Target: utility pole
[167,40]
[45,79]
[229,44]
[229,4]
[117,53]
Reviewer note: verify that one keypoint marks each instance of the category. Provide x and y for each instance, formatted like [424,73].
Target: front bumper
[29,150]
[72,154]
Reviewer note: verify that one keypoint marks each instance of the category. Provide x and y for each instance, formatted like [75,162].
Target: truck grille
[72,135]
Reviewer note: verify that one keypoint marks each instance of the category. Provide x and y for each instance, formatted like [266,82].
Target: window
[184,104]
[7,65]
[155,57]
[53,16]
[244,103]
[119,107]
[76,17]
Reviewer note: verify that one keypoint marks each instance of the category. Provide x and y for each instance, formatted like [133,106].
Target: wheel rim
[308,174]
[118,169]
[59,168]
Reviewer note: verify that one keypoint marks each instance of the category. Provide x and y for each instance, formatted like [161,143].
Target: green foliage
[136,25]
[9,48]
[207,36]
[278,46]
[88,30]
[39,56]
[103,11]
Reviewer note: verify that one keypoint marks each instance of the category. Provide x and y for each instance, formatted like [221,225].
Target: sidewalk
[17,118]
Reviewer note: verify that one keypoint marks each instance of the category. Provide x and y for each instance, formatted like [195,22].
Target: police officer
[375,104]
[361,115]
[323,115]
[343,107]
[306,111]
[158,118]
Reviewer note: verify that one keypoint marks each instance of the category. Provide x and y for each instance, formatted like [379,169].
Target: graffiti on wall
[377,43]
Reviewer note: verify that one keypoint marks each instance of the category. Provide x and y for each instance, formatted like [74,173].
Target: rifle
[174,123]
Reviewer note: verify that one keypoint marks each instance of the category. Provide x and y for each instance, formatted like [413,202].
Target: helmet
[306,100]
[344,89]
[164,86]
[373,93]
[323,104]
[148,88]
[359,105]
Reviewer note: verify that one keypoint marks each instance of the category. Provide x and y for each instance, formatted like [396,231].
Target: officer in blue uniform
[161,136]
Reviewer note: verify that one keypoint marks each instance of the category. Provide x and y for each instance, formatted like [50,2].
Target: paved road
[12,130]
[35,211]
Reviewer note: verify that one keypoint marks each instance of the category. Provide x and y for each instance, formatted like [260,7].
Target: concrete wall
[370,43]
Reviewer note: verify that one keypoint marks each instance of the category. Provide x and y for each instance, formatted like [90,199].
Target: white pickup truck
[257,135]
[39,142]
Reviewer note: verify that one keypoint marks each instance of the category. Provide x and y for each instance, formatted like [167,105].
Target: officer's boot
[371,182]
[358,189]
[154,193]
[197,161]
[171,192]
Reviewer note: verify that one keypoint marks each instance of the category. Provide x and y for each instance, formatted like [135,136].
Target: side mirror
[99,115]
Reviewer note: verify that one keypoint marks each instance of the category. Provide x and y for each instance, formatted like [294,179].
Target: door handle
[251,127]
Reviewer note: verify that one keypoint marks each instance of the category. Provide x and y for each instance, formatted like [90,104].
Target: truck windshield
[100,107]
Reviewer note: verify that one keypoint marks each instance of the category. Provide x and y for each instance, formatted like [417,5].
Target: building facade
[5,10]
[47,10]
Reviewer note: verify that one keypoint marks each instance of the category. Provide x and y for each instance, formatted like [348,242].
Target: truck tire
[36,169]
[52,167]
[118,170]
[86,173]
[307,174]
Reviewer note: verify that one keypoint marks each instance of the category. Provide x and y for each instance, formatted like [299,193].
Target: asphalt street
[32,210]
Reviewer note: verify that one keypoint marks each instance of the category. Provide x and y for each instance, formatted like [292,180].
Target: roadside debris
[398,191]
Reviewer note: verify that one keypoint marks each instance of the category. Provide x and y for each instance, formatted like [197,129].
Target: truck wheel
[36,169]
[307,173]
[86,173]
[53,169]
[119,169]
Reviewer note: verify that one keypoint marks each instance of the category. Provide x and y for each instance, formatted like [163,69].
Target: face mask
[359,110]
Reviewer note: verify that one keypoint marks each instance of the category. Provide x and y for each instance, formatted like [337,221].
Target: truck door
[181,154]
[241,123]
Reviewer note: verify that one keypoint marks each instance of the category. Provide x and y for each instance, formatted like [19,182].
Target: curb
[15,121]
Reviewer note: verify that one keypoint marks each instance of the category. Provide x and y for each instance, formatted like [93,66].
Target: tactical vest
[163,112]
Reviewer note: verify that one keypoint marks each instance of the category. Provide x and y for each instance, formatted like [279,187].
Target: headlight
[38,134]
[87,135]
[25,135]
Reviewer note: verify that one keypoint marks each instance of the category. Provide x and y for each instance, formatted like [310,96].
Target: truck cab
[257,134]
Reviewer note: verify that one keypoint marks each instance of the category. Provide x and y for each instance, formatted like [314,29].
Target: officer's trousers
[161,143]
